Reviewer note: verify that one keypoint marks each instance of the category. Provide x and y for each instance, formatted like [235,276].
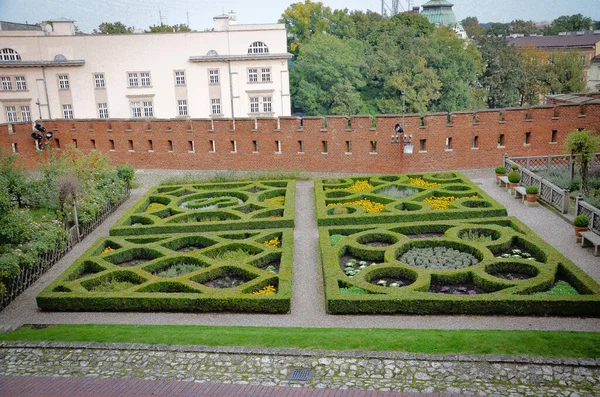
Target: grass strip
[533,343]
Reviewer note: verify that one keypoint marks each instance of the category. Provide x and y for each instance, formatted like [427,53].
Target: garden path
[307,300]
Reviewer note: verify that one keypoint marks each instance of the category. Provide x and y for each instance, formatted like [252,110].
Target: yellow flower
[268,290]
[275,201]
[154,207]
[360,186]
[107,250]
[369,206]
[422,183]
[443,203]
[273,243]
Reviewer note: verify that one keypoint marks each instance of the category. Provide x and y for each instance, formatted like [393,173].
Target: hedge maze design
[191,248]
[442,257]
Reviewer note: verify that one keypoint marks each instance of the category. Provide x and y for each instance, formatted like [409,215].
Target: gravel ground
[308,303]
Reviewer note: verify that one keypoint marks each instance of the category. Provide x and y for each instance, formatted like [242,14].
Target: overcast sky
[88,14]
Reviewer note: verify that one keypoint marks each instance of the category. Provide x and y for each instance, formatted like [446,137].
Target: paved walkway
[308,308]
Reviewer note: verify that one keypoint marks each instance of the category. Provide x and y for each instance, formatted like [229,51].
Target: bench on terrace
[503,180]
[591,238]
[520,192]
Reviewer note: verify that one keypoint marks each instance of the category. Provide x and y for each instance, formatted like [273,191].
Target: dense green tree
[523,27]
[113,28]
[565,73]
[568,23]
[302,20]
[502,72]
[534,70]
[497,29]
[345,99]
[162,28]
[472,27]
[325,61]
[583,145]
[365,23]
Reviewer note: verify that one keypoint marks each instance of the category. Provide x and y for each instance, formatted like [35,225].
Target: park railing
[27,276]
[589,211]
[549,192]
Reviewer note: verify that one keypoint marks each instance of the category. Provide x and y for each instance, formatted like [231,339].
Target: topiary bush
[514,177]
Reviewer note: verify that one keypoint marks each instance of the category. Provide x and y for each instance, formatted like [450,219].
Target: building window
[252,75]
[258,47]
[170,144]
[254,105]
[182,107]
[99,80]
[133,79]
[145,79]
[15,148]
[553,136]
[233,146]
[111,143]
[448,143]
[213,147]
[373,146]
[348,146]
[21,83]
[300,146]
[255,143]
[57,143]
[213,76]
[215,105]
[265,74]
[63,81]
[25,113]
[325,147]
[150,145]
[148,110]
[422,145]
[475,142]
[191,148]
[6,83]
[11,114]
[130,145]
[8,54]
[136,110]
[102,110]
[67,111]
[527,138]
[500,140]
[75,143]
[179,77]
[267,104]
[278,147]
[93,141]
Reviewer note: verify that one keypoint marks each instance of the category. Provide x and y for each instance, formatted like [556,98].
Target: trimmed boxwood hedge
[74,289]
[411,209]
[209,207]
[500,296]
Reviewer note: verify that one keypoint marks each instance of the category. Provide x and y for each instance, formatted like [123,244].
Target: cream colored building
[232,71]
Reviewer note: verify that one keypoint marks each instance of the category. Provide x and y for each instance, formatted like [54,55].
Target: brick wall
[357,144]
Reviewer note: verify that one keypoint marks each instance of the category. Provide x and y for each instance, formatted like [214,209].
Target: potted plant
[500,170]
[514,178]
[580,224]
[531,193]
[514,167]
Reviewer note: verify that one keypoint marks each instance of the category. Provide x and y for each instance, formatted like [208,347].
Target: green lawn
[534,343]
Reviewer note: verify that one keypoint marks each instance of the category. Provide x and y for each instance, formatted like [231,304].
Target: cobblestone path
[488,375]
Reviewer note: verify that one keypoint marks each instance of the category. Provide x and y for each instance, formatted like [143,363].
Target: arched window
[60,57]
[258,47]
[8,54]
[212,53]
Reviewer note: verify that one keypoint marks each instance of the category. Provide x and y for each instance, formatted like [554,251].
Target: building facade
[233,71]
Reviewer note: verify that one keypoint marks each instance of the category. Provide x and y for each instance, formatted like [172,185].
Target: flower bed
[458,267]
[210,207]
[401,198]
[245,271]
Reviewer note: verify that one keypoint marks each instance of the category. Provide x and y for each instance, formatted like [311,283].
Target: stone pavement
[488,375]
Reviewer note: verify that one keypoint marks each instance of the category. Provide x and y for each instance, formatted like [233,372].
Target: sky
[88,14]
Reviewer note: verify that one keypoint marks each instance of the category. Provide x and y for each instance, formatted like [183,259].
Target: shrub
[500,170]
[126,173]
[396,192]
[514,177]
[514,167]
[581,221]
[532,190]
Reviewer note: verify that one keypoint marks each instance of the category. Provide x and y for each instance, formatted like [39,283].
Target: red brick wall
[312,131]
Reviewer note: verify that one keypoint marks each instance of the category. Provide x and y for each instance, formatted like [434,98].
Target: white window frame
[25,113]
[258,47]
[99,80]
[252,75]
[215,106]
[63,81]
[213,76]
[103,110]
[21,83]
[182,107]
[67,111]
[180,77]
[8,54]
[11,114]
[254,105]
[148,108]
[132,78]
[267,104]
[6,83]
[145,79]
[136,110]
[265,74]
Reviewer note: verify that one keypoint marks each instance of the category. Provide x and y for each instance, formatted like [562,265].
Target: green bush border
[67,293]
[504,297]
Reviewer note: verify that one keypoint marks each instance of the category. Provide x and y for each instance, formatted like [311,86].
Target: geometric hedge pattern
[443,261]
[193,248]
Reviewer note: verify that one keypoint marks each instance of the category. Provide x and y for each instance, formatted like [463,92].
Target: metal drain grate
[300,375]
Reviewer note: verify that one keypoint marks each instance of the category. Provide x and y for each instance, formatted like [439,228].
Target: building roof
[437,3]
[569,98]
[439,12]
[61,20]
[18,26]
[561,41]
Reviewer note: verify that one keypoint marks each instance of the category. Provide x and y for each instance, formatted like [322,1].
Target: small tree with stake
[583,145]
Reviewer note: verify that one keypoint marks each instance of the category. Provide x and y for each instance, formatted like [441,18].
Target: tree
[323,62]
[565,73]
[113,28]
[583,144]
[523,27]
[472,27]
[502,72]
[534,76]
[567,23]
[345,99]
[13,179]
[162,28]
[303,20]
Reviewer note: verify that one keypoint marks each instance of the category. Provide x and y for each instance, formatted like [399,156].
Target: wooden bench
[593,239]
[520,192]
[503,180]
